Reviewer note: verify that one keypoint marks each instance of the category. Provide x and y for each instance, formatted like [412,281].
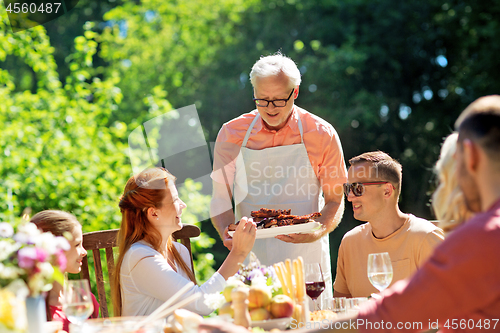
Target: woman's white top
[147,281]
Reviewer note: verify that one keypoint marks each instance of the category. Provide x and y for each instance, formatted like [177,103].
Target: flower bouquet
[30,261]
[265,297]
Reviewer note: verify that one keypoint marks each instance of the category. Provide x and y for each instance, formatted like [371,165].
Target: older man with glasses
[373,189]
[280,156]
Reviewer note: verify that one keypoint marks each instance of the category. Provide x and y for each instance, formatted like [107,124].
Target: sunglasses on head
[359,188]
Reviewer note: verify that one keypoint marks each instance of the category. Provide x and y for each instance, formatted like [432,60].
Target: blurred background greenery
[387,75]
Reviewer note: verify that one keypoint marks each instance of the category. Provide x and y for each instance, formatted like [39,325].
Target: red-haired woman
[151,267]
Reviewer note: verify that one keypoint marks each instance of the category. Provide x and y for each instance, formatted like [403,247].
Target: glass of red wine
[314,282]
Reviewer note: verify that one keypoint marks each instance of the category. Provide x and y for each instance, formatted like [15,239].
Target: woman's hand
[227,239]
[244,237]
[243,240]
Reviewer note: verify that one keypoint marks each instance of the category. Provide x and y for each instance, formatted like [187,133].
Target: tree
[57,153]
[58,149]
[168,45]
[67,27]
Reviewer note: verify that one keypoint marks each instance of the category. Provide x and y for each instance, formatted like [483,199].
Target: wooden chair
[106,239]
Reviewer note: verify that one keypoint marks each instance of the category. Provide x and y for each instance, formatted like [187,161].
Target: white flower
[275,286]
[47,242]
[233,280]
[6,249]
[6,230]
[18,287]
[27,237]
[28,228]
[62,243]
[214,301]
[9,272]
[46,269]
[22,238]
[27,233]
[259,280]
[37,284]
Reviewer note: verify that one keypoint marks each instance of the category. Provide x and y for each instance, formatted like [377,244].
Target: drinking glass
[77,301]
[315,284]
[380,270]
[353,304]
[327,303]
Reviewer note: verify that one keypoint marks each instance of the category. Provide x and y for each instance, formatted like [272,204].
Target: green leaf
[58,276]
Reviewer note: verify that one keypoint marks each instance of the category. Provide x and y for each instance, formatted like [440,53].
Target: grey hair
[273,65]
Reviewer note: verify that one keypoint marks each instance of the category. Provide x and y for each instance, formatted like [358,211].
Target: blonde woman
[448,200]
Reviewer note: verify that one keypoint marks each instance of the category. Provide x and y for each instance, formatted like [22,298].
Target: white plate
[303,228]
[279,323]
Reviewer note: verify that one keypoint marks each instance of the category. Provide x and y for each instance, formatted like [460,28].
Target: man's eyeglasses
[278,103]
[359,188]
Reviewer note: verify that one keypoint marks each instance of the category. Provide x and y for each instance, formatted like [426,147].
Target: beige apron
[281,178]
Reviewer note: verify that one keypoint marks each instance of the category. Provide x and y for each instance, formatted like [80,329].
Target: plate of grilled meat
[273,222]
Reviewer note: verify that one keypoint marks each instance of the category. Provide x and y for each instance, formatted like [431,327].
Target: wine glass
[77,301]
[315,284]
[380,270]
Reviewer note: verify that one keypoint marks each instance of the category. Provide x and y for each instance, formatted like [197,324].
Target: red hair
[143,191]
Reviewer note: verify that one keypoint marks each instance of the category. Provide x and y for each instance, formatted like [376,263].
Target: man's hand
[301,238]
[330,217]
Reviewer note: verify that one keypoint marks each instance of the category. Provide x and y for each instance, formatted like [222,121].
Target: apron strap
[252,124]
[300,128]
[249,130]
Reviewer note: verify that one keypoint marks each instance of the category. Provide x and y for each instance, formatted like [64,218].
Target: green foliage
[59,150]
[57,153]
[197,208]
[168,44]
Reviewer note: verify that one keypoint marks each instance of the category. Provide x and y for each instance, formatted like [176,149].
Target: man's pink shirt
[320,138]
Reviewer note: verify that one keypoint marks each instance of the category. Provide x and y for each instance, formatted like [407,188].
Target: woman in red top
[65,224]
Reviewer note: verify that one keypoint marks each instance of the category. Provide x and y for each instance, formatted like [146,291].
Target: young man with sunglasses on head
[373,188]
[280,156]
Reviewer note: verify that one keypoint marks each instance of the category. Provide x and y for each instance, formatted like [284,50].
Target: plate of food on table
[273,222]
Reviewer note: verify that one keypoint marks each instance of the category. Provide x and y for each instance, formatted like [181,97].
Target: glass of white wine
[380,270]
[77,301]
